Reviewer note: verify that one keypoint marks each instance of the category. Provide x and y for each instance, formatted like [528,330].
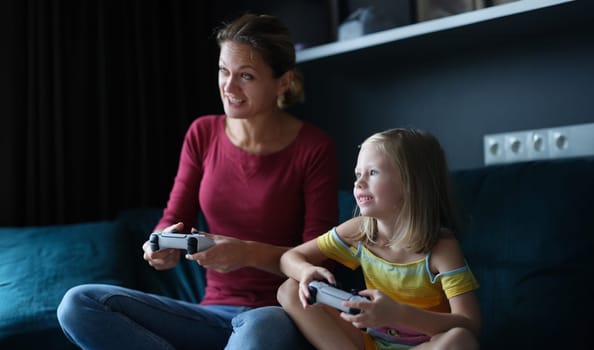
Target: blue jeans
[98,316]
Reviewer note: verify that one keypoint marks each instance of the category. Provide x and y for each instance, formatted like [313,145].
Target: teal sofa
[528,232]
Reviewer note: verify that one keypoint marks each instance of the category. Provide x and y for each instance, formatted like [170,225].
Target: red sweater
[283,198]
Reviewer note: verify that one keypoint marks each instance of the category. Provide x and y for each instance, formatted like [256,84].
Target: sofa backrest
[528,232]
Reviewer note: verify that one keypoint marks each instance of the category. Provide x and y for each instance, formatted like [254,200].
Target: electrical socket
[515,147]
[572,141]
[494,149]
[537,144]
[557,142]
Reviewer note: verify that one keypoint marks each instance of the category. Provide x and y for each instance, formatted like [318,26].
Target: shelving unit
[516,66]
[423,28]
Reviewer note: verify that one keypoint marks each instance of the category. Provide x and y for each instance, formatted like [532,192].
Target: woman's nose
[228,84]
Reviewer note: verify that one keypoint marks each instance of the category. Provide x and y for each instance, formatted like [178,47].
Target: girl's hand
[163,259]
[312,273]
[380,310]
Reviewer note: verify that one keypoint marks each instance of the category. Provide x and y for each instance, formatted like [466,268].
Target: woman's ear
[284,82]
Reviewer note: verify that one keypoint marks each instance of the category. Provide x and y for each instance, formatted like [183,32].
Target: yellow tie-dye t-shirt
[410,283]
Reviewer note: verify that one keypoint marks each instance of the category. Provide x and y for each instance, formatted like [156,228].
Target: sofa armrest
[39,264]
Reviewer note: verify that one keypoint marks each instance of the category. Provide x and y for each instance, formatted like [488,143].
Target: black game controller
[192,243]
[324,293]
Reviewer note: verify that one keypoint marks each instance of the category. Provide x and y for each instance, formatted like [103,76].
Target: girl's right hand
[163,259]
[312,273]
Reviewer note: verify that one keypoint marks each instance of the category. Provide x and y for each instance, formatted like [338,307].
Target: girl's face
[378,185]
[246,82]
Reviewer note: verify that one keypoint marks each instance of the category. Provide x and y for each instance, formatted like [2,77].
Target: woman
[264,180]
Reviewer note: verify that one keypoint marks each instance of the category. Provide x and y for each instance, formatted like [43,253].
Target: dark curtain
[95,99]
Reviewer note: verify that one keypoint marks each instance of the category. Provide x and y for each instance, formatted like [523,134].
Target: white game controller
[323,293]
[192,243]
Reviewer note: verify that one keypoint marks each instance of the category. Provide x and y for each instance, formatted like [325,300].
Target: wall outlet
[572,141]
[494,149]
[537,144]
[558,142]
[515,147]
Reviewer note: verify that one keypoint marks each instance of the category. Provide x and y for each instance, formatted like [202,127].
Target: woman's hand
[163,259]
[228,254]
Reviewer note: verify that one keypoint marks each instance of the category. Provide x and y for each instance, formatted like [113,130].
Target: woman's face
[246,82]
[378,185]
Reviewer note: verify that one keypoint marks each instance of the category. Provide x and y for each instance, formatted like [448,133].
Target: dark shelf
[487,25]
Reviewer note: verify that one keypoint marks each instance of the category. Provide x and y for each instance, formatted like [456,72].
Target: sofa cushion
[39,264]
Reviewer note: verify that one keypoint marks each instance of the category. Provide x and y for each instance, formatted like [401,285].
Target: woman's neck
[262,135]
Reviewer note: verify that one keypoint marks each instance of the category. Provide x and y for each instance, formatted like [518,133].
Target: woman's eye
[247,76]
[222,70]
[373,172]
[357,175]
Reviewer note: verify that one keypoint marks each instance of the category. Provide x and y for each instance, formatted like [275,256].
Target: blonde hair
[271,38]
[427,209]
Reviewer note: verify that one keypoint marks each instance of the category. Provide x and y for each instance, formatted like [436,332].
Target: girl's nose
[358,182]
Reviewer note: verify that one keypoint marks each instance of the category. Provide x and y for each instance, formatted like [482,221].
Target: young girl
[419,287]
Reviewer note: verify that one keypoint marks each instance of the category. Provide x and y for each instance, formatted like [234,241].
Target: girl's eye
[357,175]
[373,172]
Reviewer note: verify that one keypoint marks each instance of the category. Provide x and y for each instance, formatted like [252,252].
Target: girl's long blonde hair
[428,209]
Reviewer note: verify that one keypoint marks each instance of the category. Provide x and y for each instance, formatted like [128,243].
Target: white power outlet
[494,149]
[558,142]
[537,144]
[572,141]
[515,147]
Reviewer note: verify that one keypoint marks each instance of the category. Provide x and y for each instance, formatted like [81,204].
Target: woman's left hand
[226,255]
